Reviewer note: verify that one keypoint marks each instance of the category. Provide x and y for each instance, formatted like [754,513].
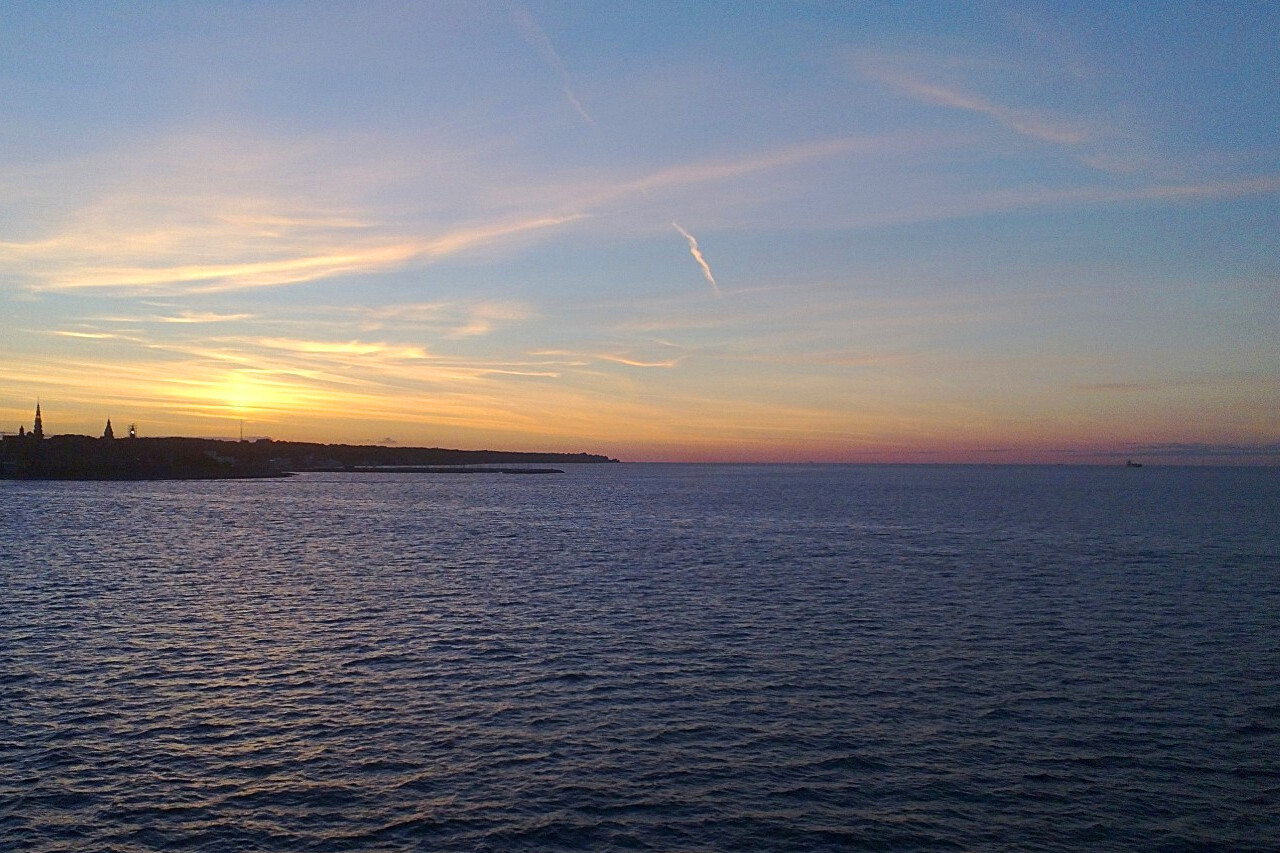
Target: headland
[31,455]
[82,457]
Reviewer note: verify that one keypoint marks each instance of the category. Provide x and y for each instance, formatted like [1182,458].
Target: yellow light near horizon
[241,395]
[244,396]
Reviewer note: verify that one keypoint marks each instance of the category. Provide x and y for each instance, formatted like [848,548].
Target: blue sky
[723,231]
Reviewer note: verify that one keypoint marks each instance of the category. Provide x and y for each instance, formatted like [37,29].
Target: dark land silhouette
[32,455]
[81,457]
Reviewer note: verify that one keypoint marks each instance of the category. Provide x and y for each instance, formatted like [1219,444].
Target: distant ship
[1129,463]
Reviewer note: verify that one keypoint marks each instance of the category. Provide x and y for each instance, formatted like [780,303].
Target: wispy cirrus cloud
[386,331]
[194,317]
[583,358]
[69,263]
[1039,125]
[343,348]
[197,213]
[485,317]
[631,362]
[728,168]
[1099,139]
[272,378]
[445,318]
[165,241]
[179,233]
[92,336]
[213,278]
[603,194]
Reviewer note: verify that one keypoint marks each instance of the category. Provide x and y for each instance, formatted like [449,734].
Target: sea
[645,657]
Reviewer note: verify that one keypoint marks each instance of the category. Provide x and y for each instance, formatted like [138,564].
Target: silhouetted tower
[108,433]
[38,430]
[133,430]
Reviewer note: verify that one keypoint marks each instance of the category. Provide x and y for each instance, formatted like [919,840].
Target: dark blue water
[645,658]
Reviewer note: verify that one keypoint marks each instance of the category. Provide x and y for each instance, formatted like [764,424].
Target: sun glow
[243,394]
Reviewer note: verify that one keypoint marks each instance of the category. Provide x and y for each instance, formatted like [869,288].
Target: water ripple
[644,658]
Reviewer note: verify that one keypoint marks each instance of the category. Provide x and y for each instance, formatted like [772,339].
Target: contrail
[697,256]
[537,37]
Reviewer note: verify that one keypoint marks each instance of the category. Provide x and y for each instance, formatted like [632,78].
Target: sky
[670,231]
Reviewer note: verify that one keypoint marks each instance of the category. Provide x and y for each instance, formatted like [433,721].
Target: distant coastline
[81,457]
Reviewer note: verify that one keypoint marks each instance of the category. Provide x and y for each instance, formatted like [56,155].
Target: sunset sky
[829,231]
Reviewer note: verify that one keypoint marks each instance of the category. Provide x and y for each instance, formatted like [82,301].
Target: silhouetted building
[108,433]
[37,431]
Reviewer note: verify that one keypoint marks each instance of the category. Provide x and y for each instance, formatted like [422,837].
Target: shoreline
[78,457]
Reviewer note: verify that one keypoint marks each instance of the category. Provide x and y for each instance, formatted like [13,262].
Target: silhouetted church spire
[38,430]
[108,432]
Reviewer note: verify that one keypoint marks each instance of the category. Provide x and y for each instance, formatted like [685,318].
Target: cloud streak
[159,227]
[1027,123]
[585,358]
[689,174]
[190,317]
[537,37]
[67,262]
[697,256]
[892,72]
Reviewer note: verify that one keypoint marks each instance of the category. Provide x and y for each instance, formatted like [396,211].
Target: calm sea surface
[634,657]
